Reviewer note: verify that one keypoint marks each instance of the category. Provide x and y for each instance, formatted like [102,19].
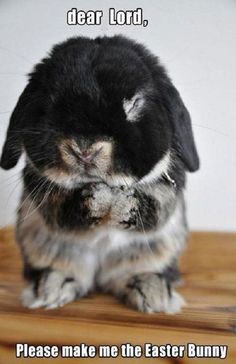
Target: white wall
[195,39]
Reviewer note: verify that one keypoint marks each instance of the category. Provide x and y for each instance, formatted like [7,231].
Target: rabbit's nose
[87,156]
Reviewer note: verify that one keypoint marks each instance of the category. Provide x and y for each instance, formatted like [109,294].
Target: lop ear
[12,147]
[183,142]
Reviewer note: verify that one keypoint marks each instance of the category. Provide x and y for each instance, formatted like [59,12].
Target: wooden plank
[209,272]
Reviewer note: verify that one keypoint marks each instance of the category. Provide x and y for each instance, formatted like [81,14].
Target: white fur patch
[134,106]
[158,170]
[117,180]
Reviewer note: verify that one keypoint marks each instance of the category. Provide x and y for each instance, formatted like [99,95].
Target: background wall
[196,40]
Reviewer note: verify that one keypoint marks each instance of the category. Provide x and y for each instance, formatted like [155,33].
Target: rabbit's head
[100,109]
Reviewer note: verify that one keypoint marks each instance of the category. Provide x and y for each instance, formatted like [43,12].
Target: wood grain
[209,273]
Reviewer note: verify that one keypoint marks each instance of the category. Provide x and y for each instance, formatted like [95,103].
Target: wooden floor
[209,271]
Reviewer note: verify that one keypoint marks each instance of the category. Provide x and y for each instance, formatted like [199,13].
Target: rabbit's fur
[107,141]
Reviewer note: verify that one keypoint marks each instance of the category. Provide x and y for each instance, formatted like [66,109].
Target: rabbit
[107,141]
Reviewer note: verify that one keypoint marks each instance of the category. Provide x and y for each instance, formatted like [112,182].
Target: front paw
[149,292]
[98,199]
[124,211]
[52,291]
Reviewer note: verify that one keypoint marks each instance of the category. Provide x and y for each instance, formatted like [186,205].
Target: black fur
[34,275]
[68,95]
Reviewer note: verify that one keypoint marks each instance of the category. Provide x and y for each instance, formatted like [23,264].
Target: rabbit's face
[92,113]
[79,140]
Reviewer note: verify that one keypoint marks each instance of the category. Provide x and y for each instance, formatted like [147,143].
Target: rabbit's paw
[52,291]
[150,293]
[98,199]
[124,211]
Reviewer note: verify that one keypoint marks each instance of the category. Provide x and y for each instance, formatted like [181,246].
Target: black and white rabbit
[107,141]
